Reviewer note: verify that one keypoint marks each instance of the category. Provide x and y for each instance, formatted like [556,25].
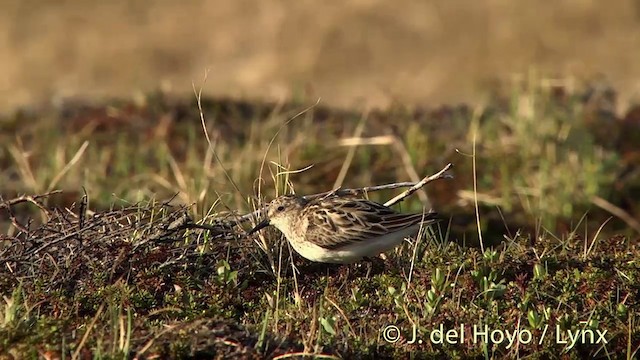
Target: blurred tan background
[351,53]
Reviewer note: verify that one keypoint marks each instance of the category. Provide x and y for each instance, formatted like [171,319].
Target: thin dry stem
[397,145]
[352,151]
[618,212]
[402,151]
[33,199]
[198,94]
[439,175]
[68,166]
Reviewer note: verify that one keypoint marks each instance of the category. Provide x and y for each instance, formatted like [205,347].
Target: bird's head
[281,211]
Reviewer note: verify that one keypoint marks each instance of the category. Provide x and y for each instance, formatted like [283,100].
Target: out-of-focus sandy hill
[352,54]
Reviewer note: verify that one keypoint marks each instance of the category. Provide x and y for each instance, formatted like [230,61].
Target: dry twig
[33,199]
[439,175]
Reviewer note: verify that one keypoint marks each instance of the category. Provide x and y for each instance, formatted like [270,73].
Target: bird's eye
[280,208]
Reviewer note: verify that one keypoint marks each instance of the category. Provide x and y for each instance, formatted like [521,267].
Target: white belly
[354,251]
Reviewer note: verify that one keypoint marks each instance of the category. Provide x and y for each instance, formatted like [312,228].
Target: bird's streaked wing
[339,222]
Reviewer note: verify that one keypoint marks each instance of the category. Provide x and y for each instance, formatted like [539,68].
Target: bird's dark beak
[263,224]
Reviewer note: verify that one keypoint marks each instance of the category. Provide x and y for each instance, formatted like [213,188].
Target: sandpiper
[340,230]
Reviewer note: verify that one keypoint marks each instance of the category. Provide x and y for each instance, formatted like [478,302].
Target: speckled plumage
[338,229]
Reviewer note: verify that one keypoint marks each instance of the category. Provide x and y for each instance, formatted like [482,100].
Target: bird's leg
[371,262]
[369,265]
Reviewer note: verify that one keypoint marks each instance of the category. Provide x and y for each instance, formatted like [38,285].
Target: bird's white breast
[350,252]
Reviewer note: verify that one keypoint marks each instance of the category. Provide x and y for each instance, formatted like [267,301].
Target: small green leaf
[327,325]
[534,319]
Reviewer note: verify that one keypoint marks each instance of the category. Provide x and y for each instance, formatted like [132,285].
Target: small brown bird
[340,230]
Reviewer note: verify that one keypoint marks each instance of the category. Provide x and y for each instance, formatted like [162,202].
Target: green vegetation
[128,283]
